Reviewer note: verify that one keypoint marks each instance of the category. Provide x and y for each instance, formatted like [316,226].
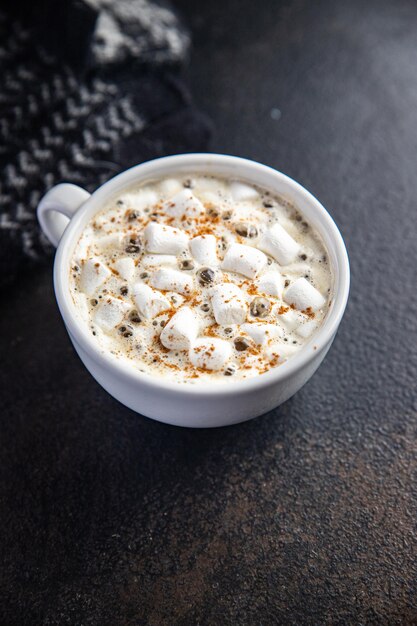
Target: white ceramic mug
[63,214]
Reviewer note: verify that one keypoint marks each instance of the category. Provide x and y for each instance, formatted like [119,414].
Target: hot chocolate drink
[201,278]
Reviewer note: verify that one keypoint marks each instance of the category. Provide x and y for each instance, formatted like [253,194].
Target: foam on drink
[201,278]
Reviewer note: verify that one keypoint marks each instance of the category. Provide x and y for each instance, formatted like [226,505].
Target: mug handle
[57,207]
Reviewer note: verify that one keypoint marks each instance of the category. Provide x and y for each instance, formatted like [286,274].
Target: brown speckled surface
[307,515]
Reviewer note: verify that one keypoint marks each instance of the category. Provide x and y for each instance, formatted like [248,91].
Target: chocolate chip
[132,216]
[124,290]
[228,331]
[126,331]
[260,307]
[268,205]
[186,264]
[212,212]
[144,275]
[134,317]
[241,344]
[94,302]
[230,370]
[247,230]
[287,282]
[303,257]
[131,249]
[188,183]
[205,307]
[205,276]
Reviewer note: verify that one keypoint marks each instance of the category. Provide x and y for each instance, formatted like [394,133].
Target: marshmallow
[228,302]
[110,312]
[244,260]
[280,352]
[93,275]
[271,283]
[81,252]
[172,280]
[170,186]
[242,192]
[261,333]
[149,301]
[126,268]
[184,203]
[156,260]
[141,199]
[164,239]
[104,223]
[181,330]
[210,353]
[291,319]
[113,240]
[279,244]
[303,295]
[203,249]
[307,329]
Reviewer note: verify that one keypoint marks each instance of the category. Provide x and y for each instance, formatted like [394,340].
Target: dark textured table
[307,515]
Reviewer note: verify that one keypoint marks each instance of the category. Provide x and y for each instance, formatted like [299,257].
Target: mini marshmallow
[271,283]
[110,313]
[93,275]
[261,333]
[279,244]
[303,295]
[83,246]
[170,186]
[244,260]
[172,280]
[291,319]
[307,329]
[280,352]
[242,192]
[228,302]
[83,307]
[210,353]
[113,240]
[164,239]
[149,301]
[126,268]
[181,330]
[203,249]
[104,223]
[184,203]
[156,260]
[140,199]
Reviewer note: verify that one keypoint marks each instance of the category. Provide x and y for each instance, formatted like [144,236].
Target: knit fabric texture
[83,120]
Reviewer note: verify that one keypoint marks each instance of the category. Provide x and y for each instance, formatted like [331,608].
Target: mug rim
[321,338]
